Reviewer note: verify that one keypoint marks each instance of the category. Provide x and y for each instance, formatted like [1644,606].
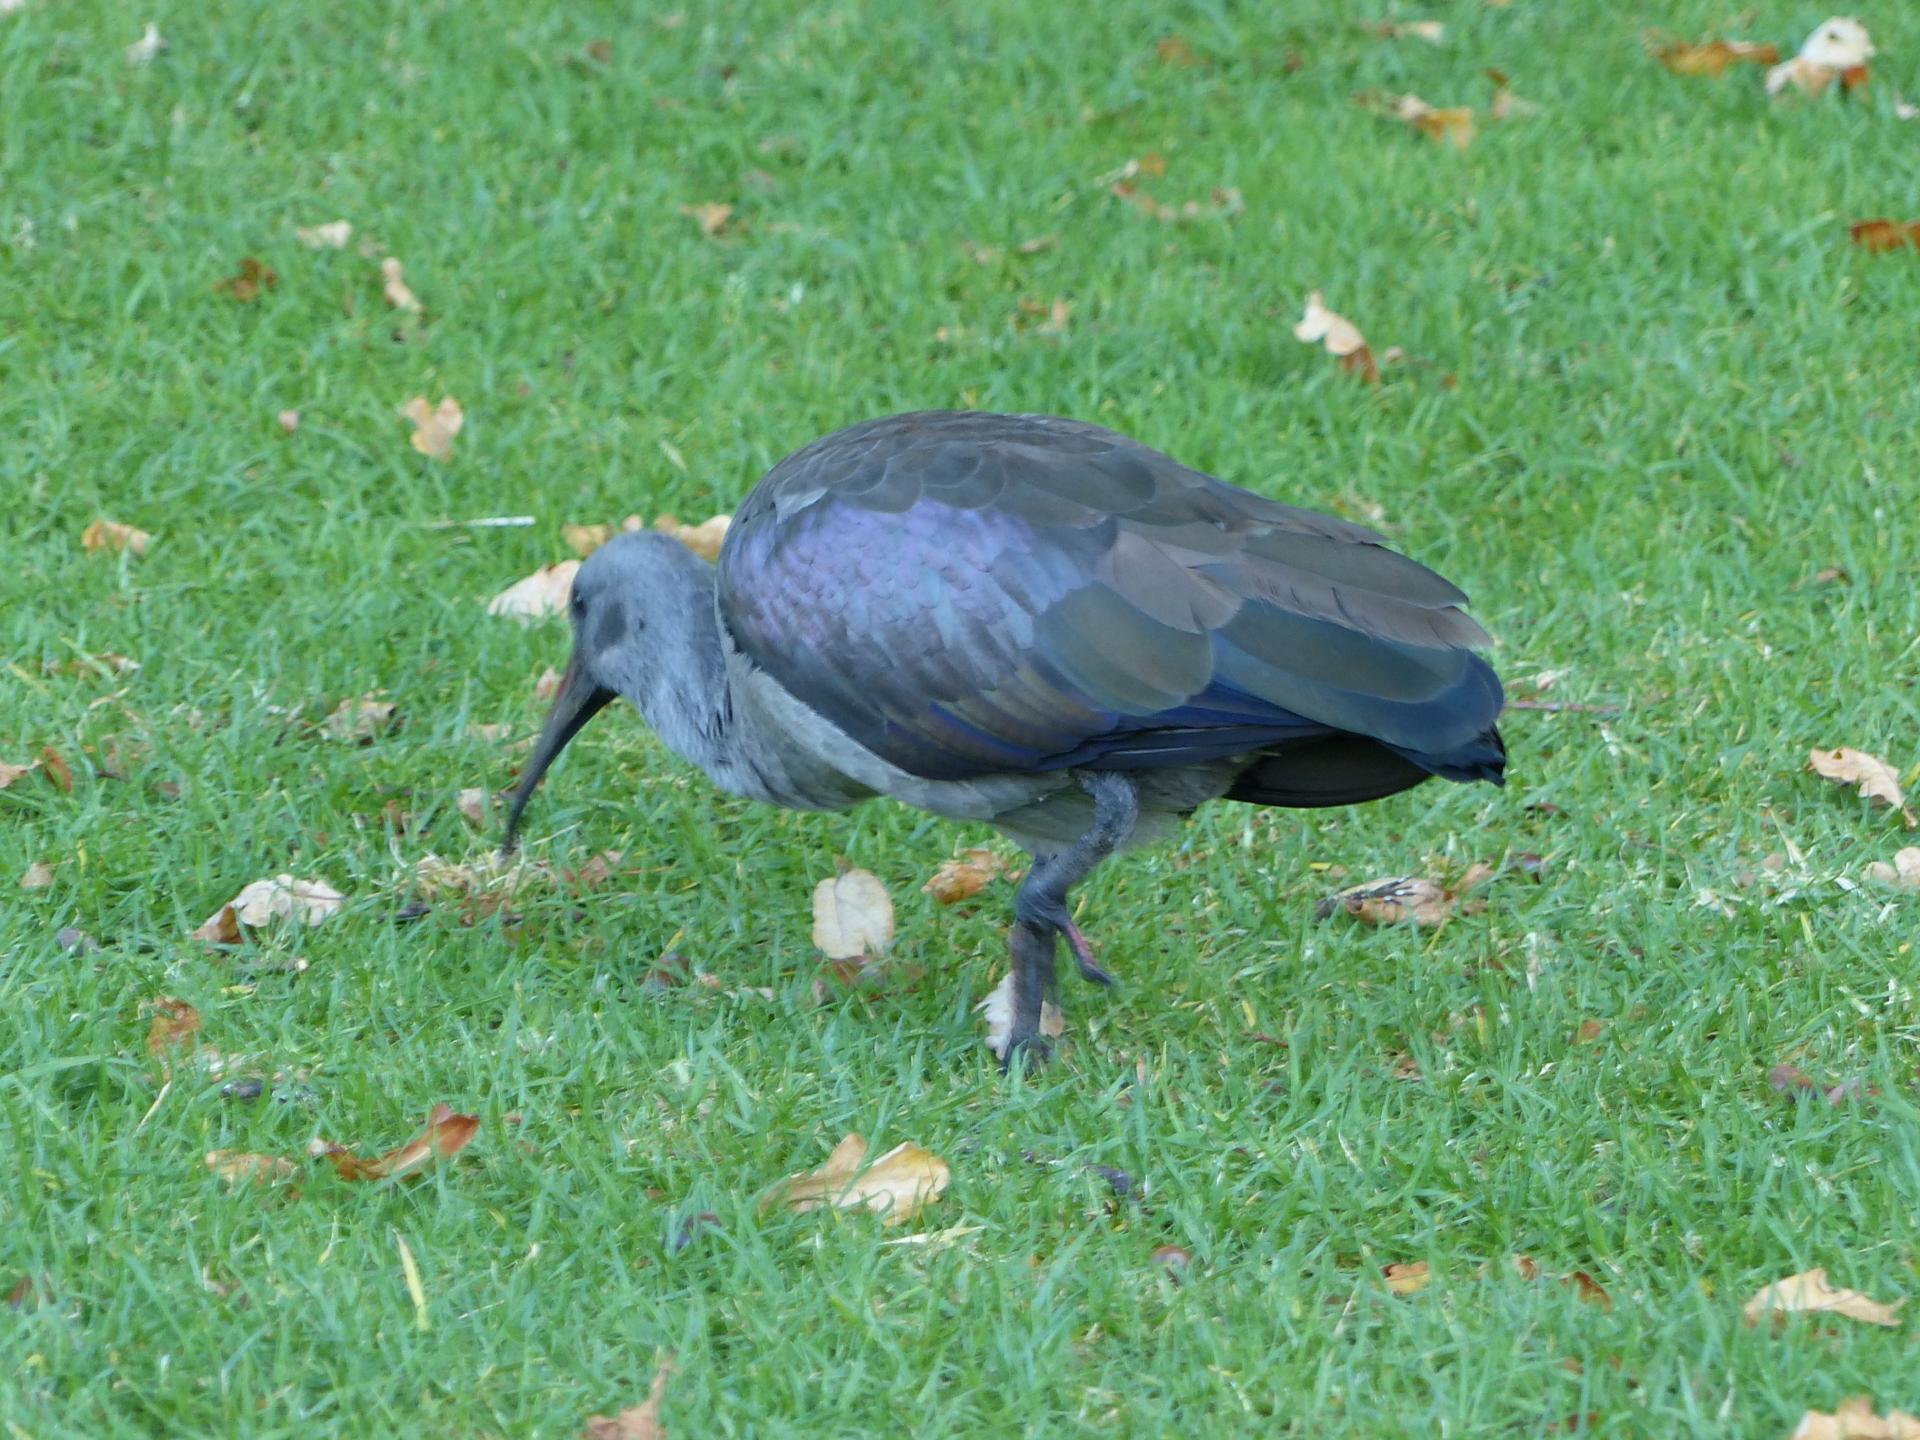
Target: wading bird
[1040,624]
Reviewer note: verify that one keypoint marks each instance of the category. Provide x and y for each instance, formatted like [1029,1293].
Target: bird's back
[969,594]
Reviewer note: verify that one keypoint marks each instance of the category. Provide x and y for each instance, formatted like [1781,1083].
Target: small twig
[165,1086]
[1557,707]
[487,522]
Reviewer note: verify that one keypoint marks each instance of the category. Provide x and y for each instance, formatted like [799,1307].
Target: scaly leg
[1040,906]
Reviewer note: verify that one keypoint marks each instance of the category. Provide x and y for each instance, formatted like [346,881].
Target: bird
[1037,623]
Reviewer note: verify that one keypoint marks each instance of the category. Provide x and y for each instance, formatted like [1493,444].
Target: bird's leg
[1043,895]
[1032,948]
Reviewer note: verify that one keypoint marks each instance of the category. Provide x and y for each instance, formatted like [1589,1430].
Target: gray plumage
[1036,623]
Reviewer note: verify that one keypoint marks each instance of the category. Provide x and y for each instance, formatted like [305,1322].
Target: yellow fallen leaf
[394,286]
[1452,125]
[997,1011]
[1339,336]
[106,534]
[434,426]
[965,877]
[852,916]
[637,1422]
[238,1167]
[545,592]
[1408,1277]
[446,1135]
[1809,1293]
[703,539]
[711,217]
[583,540]
[1855,1420]
[333,235]
[896,1186]
[359,719]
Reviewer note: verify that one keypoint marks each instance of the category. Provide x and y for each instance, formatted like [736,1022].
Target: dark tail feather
[1351,770]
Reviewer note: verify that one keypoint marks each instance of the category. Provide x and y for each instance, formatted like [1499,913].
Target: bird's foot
[1030,1053]
[1090,968]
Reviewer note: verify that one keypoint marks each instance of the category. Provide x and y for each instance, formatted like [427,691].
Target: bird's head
[641,604]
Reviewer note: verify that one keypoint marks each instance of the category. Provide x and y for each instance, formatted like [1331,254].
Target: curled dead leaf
[238,1167]
[11,773]
[1407,1277]
[1706,57]
[852,916]
[1393,901]
[39,875]
[897,1186]
[1877,237]
[545,592]
[1876,779]
[637,1422]
[547,684]
[965,877]
[393,285]
[472,804]
[434,426]
[104,534]
[997,1010]
[248,283]
[333,235]
[175,1024]
[1856,1419]
[360,718]
[1445,125]
[305,902]
[1810,1293]
[1339,336]
[711,216]
[446,1135]
[1902,874]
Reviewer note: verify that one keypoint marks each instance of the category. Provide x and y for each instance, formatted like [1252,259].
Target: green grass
[1650,389]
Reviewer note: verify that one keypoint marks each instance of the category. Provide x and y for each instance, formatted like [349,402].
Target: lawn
[1650,394]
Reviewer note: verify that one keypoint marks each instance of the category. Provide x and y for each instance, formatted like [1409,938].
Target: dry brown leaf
[333,235]
[583,540]
[11,773]
[288,420]
[1838,49]
[547,684]
[150,44]
[39,875]
[175,1023]
[446,1135]
[434,426]
[1902,874]
[545,592]
[1583,1284]
[703,539]
[1432,31]
[997,1009]
[393,285]
[238,1167]
[249,282]
[104,534]
[473,804]
[638,1422]
[1507,105]
[1855,1420]
[1809,1292]
[1448,126]
[1339,336]
[1876,779]
[711,216]
[1393,901]
[1407,1277]
[965,877]
[1877,237]
[1174,50]
[852,916]
[56,768]
[360,718]
[1706,57]
[305,902]
[896,1186]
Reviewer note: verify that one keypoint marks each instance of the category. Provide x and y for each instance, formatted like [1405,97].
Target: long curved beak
[579,700]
